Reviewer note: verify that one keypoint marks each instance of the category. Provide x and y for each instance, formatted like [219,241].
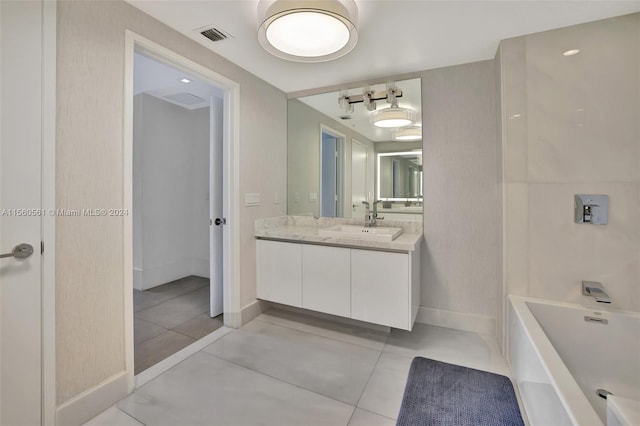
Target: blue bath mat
[441,394]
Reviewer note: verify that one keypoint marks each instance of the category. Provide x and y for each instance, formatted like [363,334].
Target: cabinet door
[279,272]
[326,279]
[380,288]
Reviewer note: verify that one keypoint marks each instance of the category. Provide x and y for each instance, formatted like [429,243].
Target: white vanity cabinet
[279,272]
[326,285]
[379,287]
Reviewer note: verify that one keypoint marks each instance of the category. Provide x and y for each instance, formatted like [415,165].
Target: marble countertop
[305,229]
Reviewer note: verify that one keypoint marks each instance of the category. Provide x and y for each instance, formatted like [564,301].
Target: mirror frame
[391,154]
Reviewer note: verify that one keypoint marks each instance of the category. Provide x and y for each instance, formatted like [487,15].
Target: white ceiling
[162,81]
[327,103]
[395,36]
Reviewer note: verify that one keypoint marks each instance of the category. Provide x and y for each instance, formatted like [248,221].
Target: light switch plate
[252,199]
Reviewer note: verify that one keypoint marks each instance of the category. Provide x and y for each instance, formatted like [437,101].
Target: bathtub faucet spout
[595,290]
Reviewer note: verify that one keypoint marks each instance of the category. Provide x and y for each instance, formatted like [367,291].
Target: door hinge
[41,247]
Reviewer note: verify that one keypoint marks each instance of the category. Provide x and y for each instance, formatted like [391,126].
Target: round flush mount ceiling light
[571,52]
[393,117]
[308,30]
[407,134]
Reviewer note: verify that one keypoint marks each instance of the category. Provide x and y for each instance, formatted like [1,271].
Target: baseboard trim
[457,320]
[154,371]
[92,402]
[253,309]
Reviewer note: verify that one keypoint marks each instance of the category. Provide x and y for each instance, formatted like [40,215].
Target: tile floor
[169,317]
[289,369]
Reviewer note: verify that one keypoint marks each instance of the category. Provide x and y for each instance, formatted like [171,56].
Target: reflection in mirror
[333,146]
[399,176]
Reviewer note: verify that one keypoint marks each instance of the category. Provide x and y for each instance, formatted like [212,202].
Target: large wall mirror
[355,145]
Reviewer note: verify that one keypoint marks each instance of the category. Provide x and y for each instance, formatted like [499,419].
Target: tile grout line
[127,414]
[164,301]
[277,379]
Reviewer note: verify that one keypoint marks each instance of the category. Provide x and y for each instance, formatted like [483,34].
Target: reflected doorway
[331,172]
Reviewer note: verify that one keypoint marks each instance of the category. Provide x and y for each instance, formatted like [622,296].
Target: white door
[216,223]
[20,200]
[359,161]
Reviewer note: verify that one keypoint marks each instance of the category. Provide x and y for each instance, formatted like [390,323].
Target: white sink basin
[376,233]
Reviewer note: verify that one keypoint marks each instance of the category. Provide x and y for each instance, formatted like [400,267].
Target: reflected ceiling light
[394,116]
[185,80]
[308,30]
[407,134]
[571,52]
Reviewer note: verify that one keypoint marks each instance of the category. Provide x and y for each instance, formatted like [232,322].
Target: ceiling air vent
[214,34]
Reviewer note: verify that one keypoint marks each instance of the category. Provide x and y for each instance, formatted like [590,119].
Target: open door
[217,221]
[21,130]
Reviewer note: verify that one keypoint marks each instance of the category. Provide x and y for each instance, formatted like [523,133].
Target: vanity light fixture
[308,30]
[571,52]
[407,134]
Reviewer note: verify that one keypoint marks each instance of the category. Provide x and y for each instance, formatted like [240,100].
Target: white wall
[90,331]
[571,126]
[171,190]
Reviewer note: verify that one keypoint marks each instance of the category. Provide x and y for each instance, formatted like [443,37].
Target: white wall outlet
[276,198]
[251,199]
[313,196]
[296,197]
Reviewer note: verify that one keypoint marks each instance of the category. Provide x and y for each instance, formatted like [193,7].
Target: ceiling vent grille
[214,34]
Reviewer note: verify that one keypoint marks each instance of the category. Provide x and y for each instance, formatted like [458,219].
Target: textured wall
[572,126]
[461,211]
[89,152]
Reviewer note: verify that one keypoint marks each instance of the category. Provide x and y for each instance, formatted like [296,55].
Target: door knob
[219,221]
[21,251]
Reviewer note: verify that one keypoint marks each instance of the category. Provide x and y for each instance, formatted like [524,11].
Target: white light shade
[407,134]
[307,30]
[393,117]
[310,34]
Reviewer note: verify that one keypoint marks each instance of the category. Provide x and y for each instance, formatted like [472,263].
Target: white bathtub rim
[580,411]
[604,308]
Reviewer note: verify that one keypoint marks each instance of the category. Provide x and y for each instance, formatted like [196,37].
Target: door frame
[340,165]
[230,160]
[48,282]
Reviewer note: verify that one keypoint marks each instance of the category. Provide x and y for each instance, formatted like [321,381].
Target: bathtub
[559,359]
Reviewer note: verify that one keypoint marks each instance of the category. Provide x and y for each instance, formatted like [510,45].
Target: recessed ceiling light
[185,80]
[571,52]
[308,30]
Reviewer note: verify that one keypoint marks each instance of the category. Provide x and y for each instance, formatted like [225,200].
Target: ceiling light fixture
[185,80]
[308,30]
[571,52]
[407,134]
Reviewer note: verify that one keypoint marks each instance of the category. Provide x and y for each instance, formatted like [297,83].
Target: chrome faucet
[595,290]
[367,215]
